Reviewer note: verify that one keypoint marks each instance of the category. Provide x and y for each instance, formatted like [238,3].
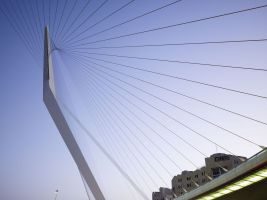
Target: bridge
[138,124]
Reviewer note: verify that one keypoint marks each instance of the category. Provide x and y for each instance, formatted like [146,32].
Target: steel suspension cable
[29,25]
[180,78]
[108,114]
[16,28]
[197,64]
[119,152]
[39,19]
[178,93]
[86,19]
[184,110]
[112,130]
[154,131]
[68,17]
[126,117]
[154,144]
[30,15]
[127,127]
[75,19]
[128,21]
[106,111]
[150,105]
[206,156]
[146,124]
[174,25]
[121,160]
[140,153]
[85,185]
[151,117]
[60,19]
[176,44]
[126,176]
[38,32]
[21,22]
[44,12]
[55,19]
[100,21]
[174,119]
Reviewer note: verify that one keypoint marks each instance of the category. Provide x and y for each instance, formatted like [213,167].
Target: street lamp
[56,193]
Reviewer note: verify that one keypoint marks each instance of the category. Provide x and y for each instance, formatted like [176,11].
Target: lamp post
[56,193]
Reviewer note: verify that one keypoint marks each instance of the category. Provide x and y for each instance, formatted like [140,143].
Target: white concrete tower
[49,97]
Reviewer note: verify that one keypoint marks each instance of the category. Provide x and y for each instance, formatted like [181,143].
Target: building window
[216,172]
[196,176]
[188,178]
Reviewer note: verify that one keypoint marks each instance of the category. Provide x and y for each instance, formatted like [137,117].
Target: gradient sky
[34,159]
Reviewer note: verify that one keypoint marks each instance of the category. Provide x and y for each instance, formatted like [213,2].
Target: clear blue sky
[35,161]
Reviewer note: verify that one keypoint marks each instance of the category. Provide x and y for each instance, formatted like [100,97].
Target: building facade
[216,165]
[219,163]
[163,194]
[188,181]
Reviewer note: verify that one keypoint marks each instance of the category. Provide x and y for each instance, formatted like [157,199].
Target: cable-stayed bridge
[142,91]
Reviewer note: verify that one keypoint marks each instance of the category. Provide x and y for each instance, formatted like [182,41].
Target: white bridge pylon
[49,97]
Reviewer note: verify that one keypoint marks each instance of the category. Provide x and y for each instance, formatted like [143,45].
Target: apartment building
[219,163]
[163,194]
[216,165]
[189,180]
